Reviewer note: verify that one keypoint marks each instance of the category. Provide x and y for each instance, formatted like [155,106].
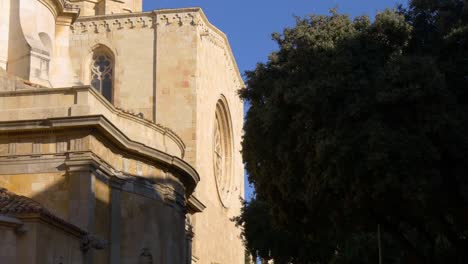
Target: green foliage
[358,123]
[272,241]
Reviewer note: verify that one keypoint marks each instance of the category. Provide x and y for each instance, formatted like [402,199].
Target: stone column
[61,70]
[188,238]
[82,200]
[8,239]
[115,217]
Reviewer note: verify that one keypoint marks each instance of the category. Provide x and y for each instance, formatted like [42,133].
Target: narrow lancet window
[102,74]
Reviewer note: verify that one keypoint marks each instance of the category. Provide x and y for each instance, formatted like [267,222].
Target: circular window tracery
[222,152]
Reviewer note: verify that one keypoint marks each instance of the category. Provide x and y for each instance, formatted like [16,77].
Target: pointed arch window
[102,70]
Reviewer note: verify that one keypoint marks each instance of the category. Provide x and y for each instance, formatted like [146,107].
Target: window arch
[46,42]
[102,73]
[46,56]
[222,152]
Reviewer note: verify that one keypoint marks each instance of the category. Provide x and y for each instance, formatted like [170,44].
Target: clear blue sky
[249,24]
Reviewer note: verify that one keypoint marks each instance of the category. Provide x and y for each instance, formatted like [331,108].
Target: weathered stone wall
[160,230]
[10,82]
[40,186]
[8,245]
[102,222]
[33,238]
[130,40]
[150,211]
[216,238]
[129,6]
[103,7]
[52,245]
[176,79]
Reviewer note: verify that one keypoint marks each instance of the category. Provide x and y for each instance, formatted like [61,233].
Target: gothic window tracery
[102,74]
[218,152]
[222,152]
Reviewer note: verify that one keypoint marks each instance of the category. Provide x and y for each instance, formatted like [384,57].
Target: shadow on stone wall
[69,196]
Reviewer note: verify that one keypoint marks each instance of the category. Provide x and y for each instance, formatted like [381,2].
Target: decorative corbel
[93,242]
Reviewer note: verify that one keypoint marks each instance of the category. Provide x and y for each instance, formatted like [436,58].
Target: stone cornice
[119,112]
[61,8]
[214,33]
[9,221]
[193,16]
[18,223]
[159,189]
[53,221]
[194,205]
[88,161]
[131,116]
[186,173]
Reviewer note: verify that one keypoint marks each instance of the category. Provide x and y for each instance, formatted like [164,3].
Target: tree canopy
[358,123]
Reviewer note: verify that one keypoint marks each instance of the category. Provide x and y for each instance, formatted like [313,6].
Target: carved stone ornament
[146,257]
[93,242]
[218,153]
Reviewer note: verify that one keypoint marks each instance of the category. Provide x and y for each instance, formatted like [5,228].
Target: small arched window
[47,55]
[102,69]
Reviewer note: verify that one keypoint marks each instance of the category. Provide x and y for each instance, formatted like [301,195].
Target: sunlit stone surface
[119,135]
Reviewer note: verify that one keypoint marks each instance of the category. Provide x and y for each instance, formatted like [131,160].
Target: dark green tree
[354,124]
[273,242]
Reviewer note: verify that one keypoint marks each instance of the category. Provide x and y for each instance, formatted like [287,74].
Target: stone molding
[165,131]
[23,208]
[9,221]
[53,221]
[220,40]
[88,161]
[159,191]
[89,242]
[165,17]
[137,118]
[186,173]
[17,222]
[19,164]
[194,205]
[12,83]
[61,8]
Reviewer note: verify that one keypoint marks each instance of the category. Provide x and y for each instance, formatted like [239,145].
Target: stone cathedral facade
[120,135]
